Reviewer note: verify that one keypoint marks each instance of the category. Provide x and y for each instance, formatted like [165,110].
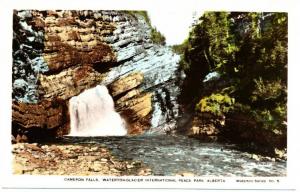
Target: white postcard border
[24,181]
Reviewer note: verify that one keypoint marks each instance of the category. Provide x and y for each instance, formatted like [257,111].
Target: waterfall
[92,113]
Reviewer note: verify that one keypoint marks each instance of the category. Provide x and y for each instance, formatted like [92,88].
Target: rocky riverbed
[158,155]
[36,159]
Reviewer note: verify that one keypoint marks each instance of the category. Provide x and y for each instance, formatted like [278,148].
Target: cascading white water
[92,114]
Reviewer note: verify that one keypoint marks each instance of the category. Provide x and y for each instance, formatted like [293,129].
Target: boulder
[203,126]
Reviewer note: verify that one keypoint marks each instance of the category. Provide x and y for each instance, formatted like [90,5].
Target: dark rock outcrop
[245,131]
[45,114]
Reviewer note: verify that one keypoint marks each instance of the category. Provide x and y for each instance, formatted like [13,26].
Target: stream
[170,155]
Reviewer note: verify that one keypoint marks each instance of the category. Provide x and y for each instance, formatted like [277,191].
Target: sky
[173,24]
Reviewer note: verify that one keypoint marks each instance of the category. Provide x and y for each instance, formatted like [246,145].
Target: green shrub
[266,89]
[268,118]
[216,104]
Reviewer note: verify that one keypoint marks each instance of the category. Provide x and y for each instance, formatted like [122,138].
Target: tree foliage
[249,51]
[216,104]
[156,36]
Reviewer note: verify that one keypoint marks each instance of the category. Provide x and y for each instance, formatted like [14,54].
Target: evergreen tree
[249,51]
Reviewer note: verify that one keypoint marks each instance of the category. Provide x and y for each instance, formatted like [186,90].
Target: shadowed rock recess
[59,54]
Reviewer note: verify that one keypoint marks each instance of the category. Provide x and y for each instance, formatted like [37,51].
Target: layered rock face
[59,54]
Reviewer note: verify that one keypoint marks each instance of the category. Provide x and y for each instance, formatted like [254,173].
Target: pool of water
[171,155]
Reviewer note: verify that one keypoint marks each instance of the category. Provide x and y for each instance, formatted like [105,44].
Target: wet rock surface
[88,159]
[59,54]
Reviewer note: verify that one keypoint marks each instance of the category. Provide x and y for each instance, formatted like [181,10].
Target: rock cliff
[59,54]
